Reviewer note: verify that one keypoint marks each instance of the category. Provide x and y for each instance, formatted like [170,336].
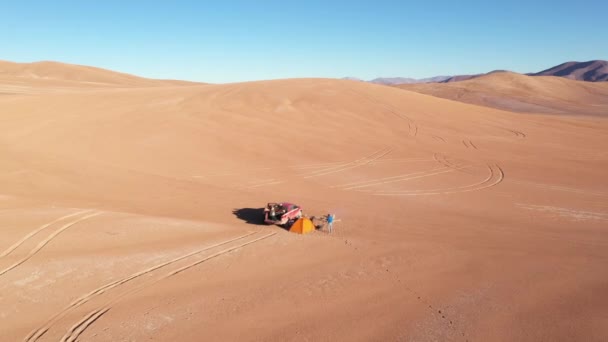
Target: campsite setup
[291,217]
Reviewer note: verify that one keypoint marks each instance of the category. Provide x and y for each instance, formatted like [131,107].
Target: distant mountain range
[403,80]
[400,80]
[591,71]
[468,77]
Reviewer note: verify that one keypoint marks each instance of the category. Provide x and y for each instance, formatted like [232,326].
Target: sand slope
[131,214]
[16,78]
[521,93]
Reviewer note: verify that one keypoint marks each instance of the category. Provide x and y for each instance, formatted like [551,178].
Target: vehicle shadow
[250,215]
[256,216]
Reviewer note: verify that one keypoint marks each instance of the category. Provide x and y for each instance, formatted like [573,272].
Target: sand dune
[128,213]
[521,93]
[16,78]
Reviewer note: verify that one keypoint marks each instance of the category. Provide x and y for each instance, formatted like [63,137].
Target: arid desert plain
[129,209]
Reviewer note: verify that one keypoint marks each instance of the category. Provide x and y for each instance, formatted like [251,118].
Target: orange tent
[302,226]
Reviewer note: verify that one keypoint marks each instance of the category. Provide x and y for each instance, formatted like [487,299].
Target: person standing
[330,223]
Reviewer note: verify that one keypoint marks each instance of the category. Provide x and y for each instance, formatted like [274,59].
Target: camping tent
[302,226]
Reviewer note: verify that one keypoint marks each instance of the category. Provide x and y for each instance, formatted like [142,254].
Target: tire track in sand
[407,177]
[295,167]
[397,178]
[438,138]
[439,158]
[34,232]
[422,191]
[517,133]
[411,124]
[443,160]
[38,333]
[332,169]
[496,173]
[469,144]
[44,242]
[356,163]
[236,173]
[377,161]
[77,329]
[313,170]
[561,188]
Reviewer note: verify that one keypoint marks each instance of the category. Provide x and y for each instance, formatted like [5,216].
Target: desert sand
[520,93]
[129,210]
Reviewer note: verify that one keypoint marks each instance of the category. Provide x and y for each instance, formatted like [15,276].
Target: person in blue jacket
[330,223]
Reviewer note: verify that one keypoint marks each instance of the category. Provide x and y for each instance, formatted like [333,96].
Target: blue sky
[229,41]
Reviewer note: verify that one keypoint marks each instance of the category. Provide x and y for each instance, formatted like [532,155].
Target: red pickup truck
[281,213]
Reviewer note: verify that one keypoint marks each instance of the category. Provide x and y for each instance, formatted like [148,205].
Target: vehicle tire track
[436,137]
[517,133]
[412,126]
[443,160]
[263,180]
[399,160]
[364,183]
[274,182]
[486,180]
[469,144]
[498,174]
[77,329]
[323,168]
[316,166]
[440,158]
[34,232]
[332,169]
[295,167]
[412,176]
[36,334]
[360,162]
[561,188]
[231,173]
[260,182]
[46,241]
[301,166]
[374,162]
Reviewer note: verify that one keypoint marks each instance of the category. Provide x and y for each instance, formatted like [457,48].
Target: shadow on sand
[250,215]
[256,216]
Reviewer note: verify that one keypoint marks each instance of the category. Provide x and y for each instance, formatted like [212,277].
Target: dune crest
[56,77]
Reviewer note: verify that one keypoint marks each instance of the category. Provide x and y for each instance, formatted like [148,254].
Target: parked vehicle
[281,213]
